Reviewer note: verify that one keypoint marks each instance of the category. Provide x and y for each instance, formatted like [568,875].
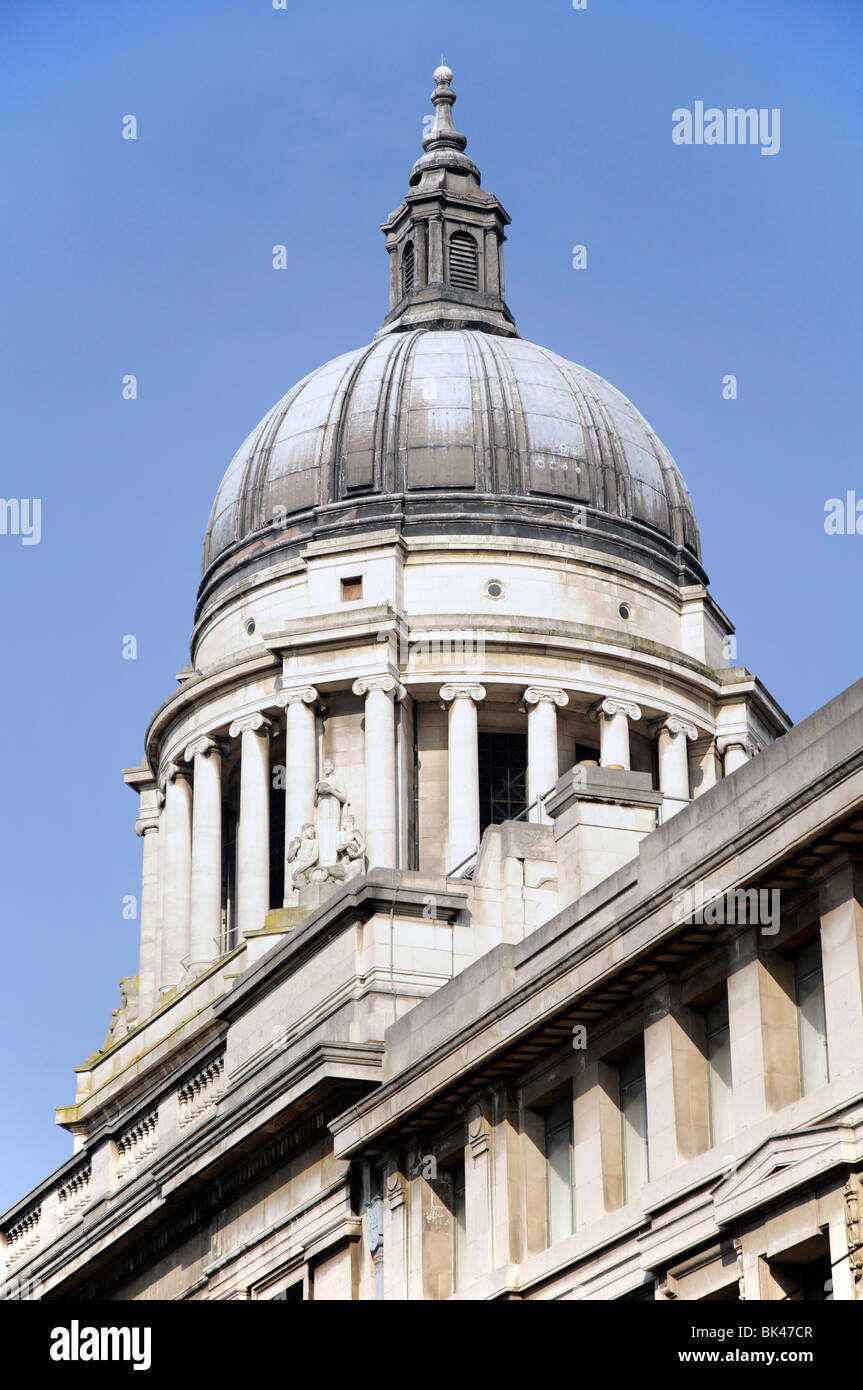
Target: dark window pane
[502,777]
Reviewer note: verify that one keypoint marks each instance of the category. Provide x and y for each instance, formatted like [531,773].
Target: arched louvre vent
[408,268]
[463,261]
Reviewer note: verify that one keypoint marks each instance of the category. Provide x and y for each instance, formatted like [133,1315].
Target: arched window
[463,269]
[408,268]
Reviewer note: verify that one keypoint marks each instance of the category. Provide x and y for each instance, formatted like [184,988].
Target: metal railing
[461,871]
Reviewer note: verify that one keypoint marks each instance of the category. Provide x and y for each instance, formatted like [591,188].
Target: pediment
[779,1164]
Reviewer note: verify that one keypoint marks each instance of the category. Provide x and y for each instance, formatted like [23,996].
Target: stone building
[499,937]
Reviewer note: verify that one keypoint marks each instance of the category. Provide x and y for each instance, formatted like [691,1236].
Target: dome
[446,411]
[448,420]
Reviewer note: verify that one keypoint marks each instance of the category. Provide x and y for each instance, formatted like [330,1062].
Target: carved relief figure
[123,1020]
[352,843]
[303,855]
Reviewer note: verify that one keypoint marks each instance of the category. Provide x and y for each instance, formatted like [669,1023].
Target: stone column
[395,1230]
[735,750]
[380,693]
[840,904]
[672,735]
[762,1021]
[614,716]
[301,761]
[704,762]
[543,768]
[492,260]
[435,267]
[421,254]
[253,830]
[178,876]
[147,826]
[463,770]
[678,1104]
[205,914]
[395,285]
[478,1192]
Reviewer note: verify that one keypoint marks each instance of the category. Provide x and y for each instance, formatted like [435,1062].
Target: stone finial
[443,134]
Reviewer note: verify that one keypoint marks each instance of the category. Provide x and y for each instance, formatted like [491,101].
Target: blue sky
[153,257]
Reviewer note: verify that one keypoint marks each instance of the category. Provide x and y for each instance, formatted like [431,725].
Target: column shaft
[463,771]
[614,716]
[395,287]
[149,965]
[435,266]
[674,735]
[301,763]
[421,252]
[543,767]
[178,875]
[492,258]
[253,831]
[206,891]
[841,912]
[734,755]
[380,768]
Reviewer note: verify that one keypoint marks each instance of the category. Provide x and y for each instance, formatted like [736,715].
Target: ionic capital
[673,725]
[173,771]
[250,724]
[463,692]
[744,741]
[610,707]
[145,824]
[202,747]
[296,694]
[388,684]
[542,694]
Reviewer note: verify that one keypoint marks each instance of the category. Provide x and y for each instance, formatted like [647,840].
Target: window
[803,1273]
[811,1023]
[352,588]
[558,1168]
[633,1115]
[718,1051]
[502,777]
[292,1294]
[408,268]
[463,271]
[459,1228]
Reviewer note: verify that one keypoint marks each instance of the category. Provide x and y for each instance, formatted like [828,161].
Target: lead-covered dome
[449,410]
[449,421]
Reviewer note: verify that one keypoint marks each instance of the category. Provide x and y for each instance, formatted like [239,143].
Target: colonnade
[181,900]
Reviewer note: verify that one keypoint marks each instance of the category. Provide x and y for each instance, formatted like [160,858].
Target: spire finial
[443,134]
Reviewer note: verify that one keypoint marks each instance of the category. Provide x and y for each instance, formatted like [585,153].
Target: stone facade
[480,956]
